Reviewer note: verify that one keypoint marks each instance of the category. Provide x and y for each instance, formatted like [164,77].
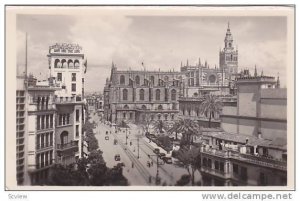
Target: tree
[190,159]
[146,123]
[211,104]
[188,128]
[160,126]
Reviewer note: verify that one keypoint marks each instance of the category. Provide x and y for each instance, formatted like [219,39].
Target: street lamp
[138,145]
[126,135]
[157,178]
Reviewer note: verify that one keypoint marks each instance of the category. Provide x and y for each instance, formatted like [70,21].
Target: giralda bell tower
[229,56]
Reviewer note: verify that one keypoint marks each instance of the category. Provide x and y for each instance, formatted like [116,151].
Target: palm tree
[187,127]
[160,126]
[211,104]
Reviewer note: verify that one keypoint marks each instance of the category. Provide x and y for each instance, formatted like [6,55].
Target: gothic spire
[278,81]
[255,71]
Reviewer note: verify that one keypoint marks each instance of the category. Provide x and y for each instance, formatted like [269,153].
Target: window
[160,107]
[51,157]
[59,76]
[124,115]
[222,166]
[166,117]
[125,94]
[244,174]
[173,95]
[152,79]
[137,80]
[77,115]
[47,121]
[159,116]
[209,163]
[173,106]
[77,130]
[235,168]
[51,139]
[38,139]
[131,115]
[122,79]
[217,165]
[73,77]
[144,107]
[204,162]
[38,123]
[73,87]
[157,94]
[43,122]
[142,94]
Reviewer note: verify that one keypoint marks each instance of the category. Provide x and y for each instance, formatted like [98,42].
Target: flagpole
[26,66]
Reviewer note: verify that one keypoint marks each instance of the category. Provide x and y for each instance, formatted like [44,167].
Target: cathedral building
[136,96]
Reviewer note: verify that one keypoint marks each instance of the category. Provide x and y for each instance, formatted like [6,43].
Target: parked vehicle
[156,151]
[115,141]
[167,160]
[117,157]
[106,138]
[161,155]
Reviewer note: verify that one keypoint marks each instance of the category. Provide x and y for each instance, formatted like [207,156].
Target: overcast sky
[160,42]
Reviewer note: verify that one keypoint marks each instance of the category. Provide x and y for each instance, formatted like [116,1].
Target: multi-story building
[231,159]
[261,109]
[135,96]
[251,146]
[67,68]
[21,134]
[41,132]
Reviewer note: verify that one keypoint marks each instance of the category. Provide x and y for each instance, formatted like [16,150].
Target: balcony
[256,160]
[67,149]
[35,107]
[44,146]
[68,100]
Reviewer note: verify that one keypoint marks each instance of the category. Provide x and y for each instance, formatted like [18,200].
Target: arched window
[126,107]
[70,64]
[137,80]
[157,94]
[166,117]
[76,63]
[142,94]
[160,107]
[122,79]
[152,79]
[173,94]
[125,94]
[144,107]
[174,106]
[64,137]
[64,63]
[57,63]
[158,116]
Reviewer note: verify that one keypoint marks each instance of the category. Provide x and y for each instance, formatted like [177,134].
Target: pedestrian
[148,163]
[151,163]
[150,178]
[132,165]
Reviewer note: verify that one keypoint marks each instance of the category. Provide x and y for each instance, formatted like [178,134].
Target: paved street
[136,170]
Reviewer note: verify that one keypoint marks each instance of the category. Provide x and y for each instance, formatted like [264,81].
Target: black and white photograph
[150,97]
